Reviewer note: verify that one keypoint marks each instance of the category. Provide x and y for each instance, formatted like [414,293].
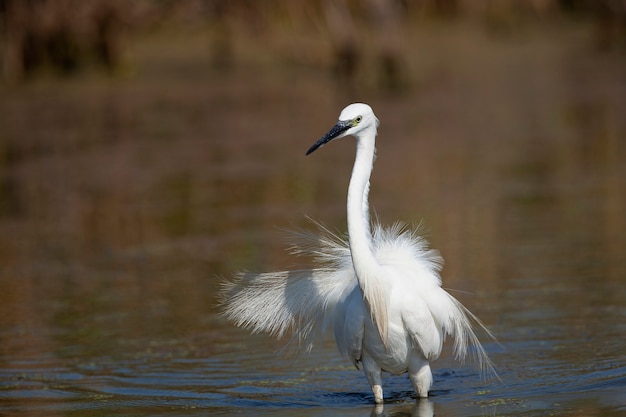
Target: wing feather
[306,303]
[434,313]
[301,302]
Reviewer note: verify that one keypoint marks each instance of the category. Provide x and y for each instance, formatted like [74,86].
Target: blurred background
[149,147]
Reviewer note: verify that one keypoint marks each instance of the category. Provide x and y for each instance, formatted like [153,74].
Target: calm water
[123,201]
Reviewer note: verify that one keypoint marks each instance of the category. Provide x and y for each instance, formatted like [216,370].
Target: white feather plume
[306,303]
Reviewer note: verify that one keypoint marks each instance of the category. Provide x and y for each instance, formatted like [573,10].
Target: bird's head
[353,120]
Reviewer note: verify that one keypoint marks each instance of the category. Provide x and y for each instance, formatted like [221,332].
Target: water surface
[123,201]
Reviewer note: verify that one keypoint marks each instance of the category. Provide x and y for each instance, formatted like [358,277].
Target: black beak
[333,133]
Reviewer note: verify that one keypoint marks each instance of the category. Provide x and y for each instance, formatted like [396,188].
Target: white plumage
[379,291]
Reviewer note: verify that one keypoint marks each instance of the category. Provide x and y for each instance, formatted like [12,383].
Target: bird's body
[379,292]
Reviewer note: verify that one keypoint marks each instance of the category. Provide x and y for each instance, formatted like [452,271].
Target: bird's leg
[373,373]
[420,375]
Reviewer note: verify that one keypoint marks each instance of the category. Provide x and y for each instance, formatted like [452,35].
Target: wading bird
[379,292]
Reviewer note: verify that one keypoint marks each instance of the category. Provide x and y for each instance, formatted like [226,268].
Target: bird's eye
[358,119]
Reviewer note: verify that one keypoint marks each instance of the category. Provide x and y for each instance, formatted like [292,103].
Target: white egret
[379,292]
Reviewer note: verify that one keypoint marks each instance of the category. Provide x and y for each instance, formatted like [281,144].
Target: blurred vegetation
[68,36]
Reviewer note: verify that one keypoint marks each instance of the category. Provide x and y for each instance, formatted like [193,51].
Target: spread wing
[303,303]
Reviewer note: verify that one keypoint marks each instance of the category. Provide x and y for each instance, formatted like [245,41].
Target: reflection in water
[120,202]
[423,407]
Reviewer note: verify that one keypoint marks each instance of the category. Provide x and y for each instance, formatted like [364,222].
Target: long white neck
[358,208]
[359,232]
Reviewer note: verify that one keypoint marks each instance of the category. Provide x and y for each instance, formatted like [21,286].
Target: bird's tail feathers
[462,327]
